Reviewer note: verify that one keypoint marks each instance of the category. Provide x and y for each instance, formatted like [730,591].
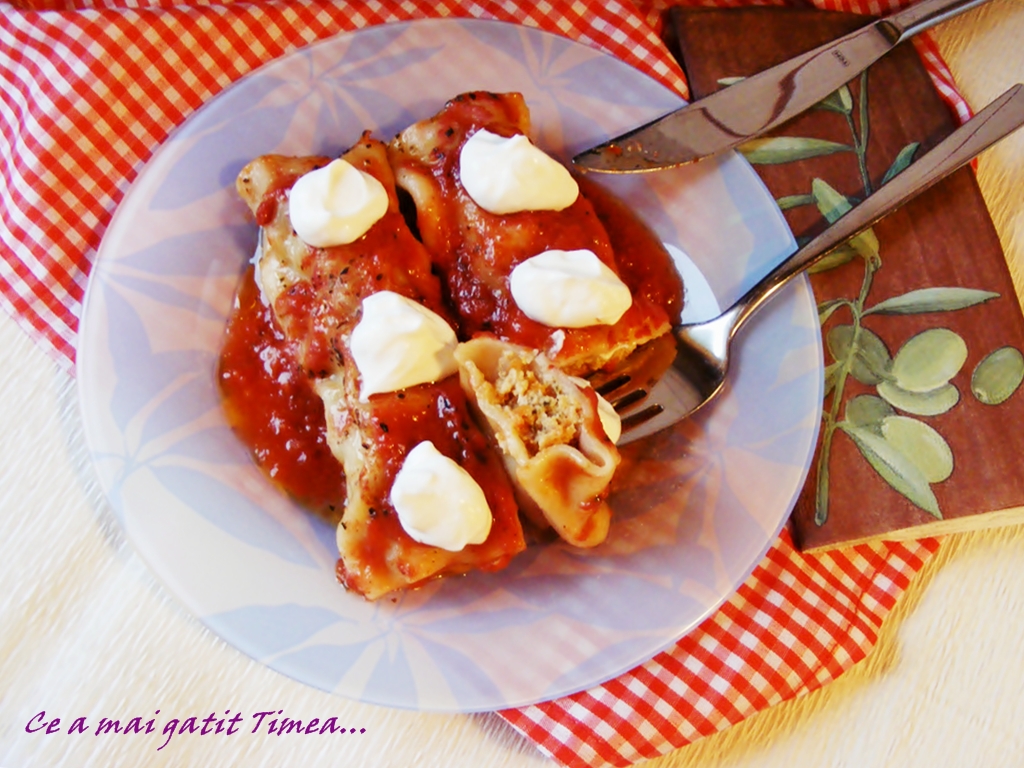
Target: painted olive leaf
[794,201]
[838,256]
[922,444]
[833,205]
[827,308]
[776,150]
[998,376]
[929,360]
[869,362]
[868,411]
[866,244]
[821,495]
[931,300]
[902,161]
[840,101]
[894,467]
[934,402]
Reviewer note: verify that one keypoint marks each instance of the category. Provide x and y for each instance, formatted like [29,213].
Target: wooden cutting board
[922,328]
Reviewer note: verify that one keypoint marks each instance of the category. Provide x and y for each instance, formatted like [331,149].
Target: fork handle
[1004,115]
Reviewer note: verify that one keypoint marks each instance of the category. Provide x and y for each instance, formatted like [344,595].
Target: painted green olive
[997,376]
[929,360]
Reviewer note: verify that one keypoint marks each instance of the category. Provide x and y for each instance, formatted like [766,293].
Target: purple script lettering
[53,726]
[106,726]
[168,732]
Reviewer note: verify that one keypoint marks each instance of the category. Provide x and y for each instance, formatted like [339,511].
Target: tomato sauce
[273,409]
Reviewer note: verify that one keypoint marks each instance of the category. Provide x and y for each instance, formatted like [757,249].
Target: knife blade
[756,104]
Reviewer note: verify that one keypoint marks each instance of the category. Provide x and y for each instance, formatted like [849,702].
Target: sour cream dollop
[569,289]
[508,175]
[336,204]
[399,343]
[438,502]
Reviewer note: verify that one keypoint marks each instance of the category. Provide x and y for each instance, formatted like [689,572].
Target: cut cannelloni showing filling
[553,439]
[523,254]
[427,495]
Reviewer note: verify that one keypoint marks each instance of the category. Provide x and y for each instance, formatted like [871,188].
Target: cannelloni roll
[487,202]
[320,295]
[549,427]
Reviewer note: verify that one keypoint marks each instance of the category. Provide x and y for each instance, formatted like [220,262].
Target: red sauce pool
[273,409]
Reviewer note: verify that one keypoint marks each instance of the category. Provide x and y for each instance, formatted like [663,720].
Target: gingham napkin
[91,88]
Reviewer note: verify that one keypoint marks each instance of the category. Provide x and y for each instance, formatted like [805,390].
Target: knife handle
[925,14]
[1004,115]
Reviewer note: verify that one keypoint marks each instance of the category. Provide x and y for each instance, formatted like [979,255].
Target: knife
[757,104]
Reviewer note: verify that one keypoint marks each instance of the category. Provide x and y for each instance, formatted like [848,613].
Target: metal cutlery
[733,115]
[702,350]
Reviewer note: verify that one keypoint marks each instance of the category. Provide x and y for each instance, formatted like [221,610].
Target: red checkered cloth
[90,88]
[797,623]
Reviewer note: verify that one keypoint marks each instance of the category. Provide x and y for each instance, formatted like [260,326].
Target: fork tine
[628,399]
[617,382]
[634,420]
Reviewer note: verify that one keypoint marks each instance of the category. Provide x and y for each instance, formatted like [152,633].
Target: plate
[698,508]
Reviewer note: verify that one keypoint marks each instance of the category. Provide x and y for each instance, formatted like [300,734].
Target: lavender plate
[696,511]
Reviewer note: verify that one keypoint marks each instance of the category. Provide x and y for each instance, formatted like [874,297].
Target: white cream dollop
[438,502]
[399,343]
[336,204]
[508,175]
[569,289]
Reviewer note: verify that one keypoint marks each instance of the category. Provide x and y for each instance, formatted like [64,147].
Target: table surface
[87,631]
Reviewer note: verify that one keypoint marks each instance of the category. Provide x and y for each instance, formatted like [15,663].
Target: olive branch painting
[888,426]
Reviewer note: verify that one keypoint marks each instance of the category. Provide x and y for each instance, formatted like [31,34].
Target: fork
[697,369]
